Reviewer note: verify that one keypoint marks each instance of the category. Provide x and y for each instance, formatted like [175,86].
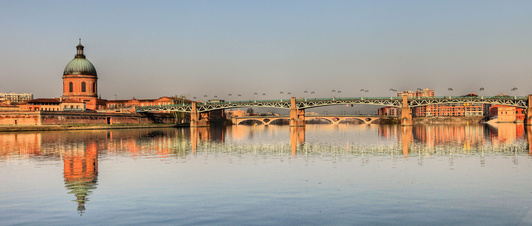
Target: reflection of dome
[81,189]
[80,65]
[80,169]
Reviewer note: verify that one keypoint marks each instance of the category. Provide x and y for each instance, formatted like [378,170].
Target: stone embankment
[447,120]
[79,127]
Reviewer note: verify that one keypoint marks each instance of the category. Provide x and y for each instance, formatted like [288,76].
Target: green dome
[80,66]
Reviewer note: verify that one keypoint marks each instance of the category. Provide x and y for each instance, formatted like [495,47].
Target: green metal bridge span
[304,103]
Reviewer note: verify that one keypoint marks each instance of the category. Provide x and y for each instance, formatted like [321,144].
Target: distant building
[16,97]
[235,113]
[448,110]
[129,105]
[54,104]
[419,93]
[389,111]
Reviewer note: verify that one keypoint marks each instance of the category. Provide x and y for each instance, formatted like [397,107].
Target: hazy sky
[148,49]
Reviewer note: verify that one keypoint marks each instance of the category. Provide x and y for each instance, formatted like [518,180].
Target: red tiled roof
[44,100]
[72,101]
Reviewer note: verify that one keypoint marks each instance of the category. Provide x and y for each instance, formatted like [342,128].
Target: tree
[250,111]
[180,117]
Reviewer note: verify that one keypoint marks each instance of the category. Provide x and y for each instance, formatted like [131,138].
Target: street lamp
[392,90]
[513,90]
[481,90]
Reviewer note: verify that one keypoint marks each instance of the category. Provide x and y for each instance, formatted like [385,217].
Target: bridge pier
[297,116]
[528,120]
[297,138]
[406,113]
[406,139]
[196,119]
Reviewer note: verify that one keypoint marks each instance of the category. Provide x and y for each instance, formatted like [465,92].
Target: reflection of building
[505,133]
[22,144]
[79,151]
[81,172]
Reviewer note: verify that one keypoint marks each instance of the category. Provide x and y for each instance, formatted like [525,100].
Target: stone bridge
[333,119]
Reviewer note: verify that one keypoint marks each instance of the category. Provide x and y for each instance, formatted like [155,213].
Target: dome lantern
[79,48]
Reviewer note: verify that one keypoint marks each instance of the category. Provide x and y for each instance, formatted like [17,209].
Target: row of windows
[142,104]
[83,87]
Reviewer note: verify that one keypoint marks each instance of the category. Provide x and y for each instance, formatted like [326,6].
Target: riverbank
[447,120]
[80,127]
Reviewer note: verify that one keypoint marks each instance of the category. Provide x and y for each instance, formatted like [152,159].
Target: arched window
[70,87]
[94,87]
[83,87]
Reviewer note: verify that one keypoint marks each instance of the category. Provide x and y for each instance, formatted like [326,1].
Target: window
[70,87]
[83,87]
[93,87]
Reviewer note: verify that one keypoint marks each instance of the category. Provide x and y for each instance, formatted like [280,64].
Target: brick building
[502,113]
[80,81]
[448,110]
[389,111]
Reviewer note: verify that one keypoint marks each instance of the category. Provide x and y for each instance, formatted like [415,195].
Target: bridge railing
[471,97]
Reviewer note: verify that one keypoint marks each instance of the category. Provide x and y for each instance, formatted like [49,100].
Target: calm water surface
[269,175]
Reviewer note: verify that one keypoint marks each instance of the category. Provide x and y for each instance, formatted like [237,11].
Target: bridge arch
[319,117]
[278,120]
[251,120]
[356,118]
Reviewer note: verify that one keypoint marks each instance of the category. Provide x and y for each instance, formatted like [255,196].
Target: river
[269,175]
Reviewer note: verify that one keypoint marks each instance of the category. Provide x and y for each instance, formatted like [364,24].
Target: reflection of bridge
[297,106]
[334,119]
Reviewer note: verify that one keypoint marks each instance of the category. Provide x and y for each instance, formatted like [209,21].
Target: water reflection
[297,139]
[80,169]
[80,151]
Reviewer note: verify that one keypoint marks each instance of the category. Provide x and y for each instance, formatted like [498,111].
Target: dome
[80,66]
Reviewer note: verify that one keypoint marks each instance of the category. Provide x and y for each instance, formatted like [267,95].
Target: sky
[149,49]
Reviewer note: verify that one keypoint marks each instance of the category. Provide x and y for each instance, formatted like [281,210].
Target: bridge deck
[304,103]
